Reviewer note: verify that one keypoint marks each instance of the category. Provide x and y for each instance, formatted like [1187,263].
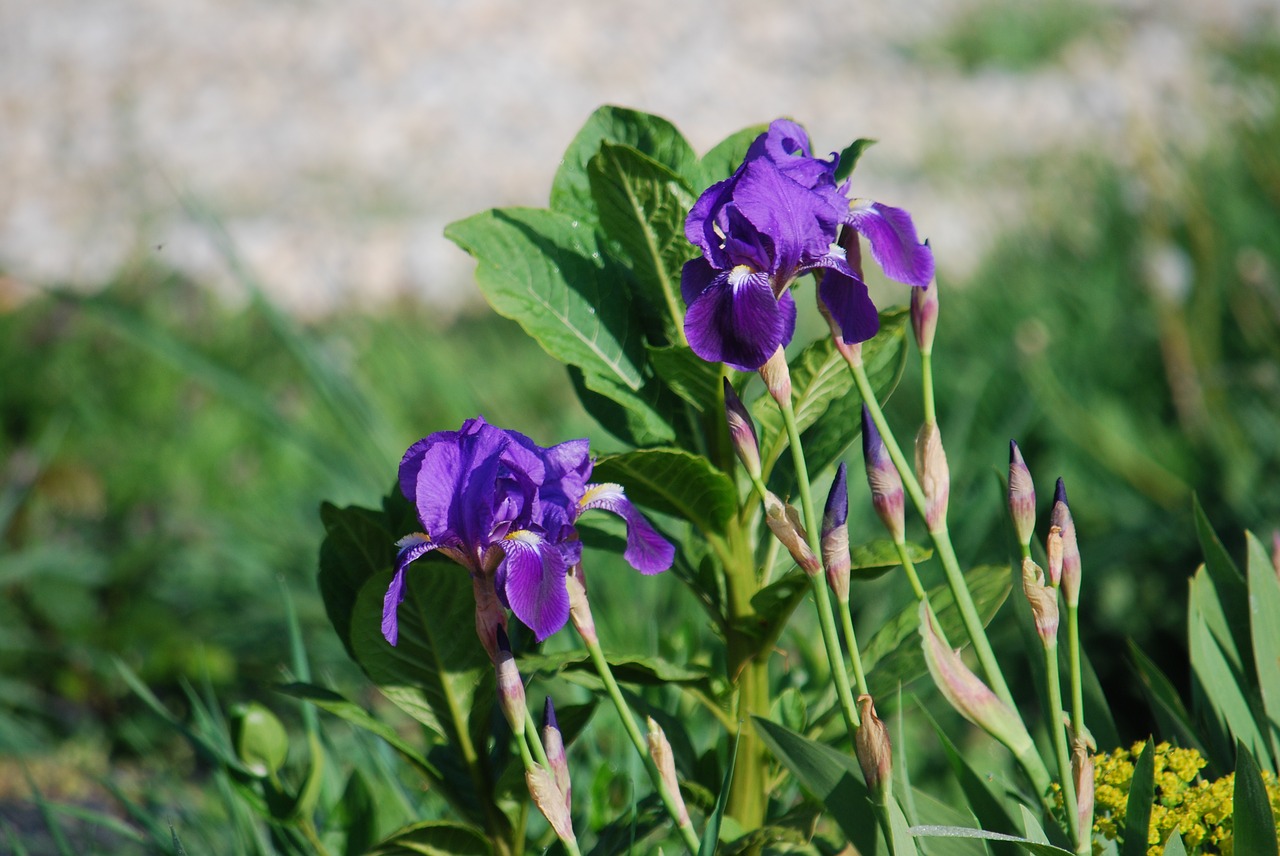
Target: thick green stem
[749,670]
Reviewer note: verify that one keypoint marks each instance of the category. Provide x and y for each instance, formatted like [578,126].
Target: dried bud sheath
[784,522]
[660,751]
[510,687]
[777,377]
[883,479]
[1043,599]
[579,607]
[875,754]
[553,744]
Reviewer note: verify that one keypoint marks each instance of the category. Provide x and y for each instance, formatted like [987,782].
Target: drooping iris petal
[411,548]
[846,298]
[894,244]
[647,551]
[532,578]
[737,320]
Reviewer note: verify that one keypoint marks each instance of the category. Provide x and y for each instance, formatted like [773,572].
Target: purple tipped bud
[553,743]
[1082,779]
[935,476]
[510,687]
[777,377]
[1022,496]
[1061,517]
[966,692]
[883,478]
[875,754]
[742,431]
[579,607]
[660,751]
[1043,599]
[924,315]
[784,522]
[835,535]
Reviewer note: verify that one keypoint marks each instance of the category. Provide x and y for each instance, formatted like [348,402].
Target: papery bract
[504,508]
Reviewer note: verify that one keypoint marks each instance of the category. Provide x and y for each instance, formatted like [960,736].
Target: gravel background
[334,140]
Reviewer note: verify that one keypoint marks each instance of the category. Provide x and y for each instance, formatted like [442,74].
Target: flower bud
[875,755]
[966,692]
[784,522]
[1043,599]
[1022,496]
[579,607]
[742,431]
[1053,549]
[1082,780]
[510,687]
[924,315]
[553,744]
[777,377]
[935,477]
[1061,517]
[883,478]
[835,535]
[547,797]
[660,751]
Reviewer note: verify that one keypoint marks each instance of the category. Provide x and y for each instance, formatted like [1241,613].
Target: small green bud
[924,315]
[660,751]
[510,686]
[777,377]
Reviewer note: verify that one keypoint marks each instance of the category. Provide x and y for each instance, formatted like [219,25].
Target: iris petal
[534,583]
[894,244]
[411,549]
[847,299]
[737,320]
[647,551]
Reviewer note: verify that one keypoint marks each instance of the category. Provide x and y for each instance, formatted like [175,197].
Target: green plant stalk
[921,595]
[637,740]
[851,640]
[748,669]
[926,385]
[826,618]
[1076,677]
[1056,728]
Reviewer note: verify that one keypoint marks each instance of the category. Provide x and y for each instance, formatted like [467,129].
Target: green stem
[851,640]
[524,740]
[748,669]
[637,740]
[1076,676]
[1060,737]
[926,383]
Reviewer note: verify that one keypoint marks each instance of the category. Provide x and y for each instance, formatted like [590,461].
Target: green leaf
[831,776]
[903,844]
[935,812]
[1171,715]
[772,607]
[850,156]
[434,670]
[651,135]
[1142,790]
[357,814]
[711,831]
[689,376]
[989,811]
[893,655]
[637,418]
[1035,847]
[1252,819]
[1226,603]
[726,156]
[261,742]
[675,482]
[874,558]
[547,272]
[356,546]
[643,206]
[1174,846]
[1264,628]
[434,838]
[642,671]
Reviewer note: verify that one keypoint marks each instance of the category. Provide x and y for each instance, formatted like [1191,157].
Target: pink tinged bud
[1061,517]
[835,535]
[660,751]
[883,478]
[784,522]
[1022,496]
[742,431]
[490,614]
[777,377]
[935,477]
[579,607]
[553,744]
[966,692]
[924,315]
[547,797]
[510,687]
[875,754]
[1053,548]
[1043,599]
[1082,779]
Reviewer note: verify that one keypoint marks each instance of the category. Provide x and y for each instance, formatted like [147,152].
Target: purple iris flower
[776,218]
[504,508]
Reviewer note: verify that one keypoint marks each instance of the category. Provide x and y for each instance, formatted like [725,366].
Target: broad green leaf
[874,558]
[935,812]
[903,844]
[434,670]
[1174,846]
[850,156]
[830,775]
[893,655]
[772,607]
[1142,790]
[1226,604]
[1026,844]
[1264,627]
[638,418]
[643,206]
[1171,715]
[356,546]
[689,376]
[357,815]
[675,482]
[434,838]
[1097,712]
[547,272]
[726,156]
[651,135]
[1253,822]
[261,742]
[1226,688]
[643,671]
[1034,831]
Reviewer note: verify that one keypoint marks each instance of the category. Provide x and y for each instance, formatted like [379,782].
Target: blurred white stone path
[336,139]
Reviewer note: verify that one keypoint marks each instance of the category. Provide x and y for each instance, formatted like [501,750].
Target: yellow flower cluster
[1198,809]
